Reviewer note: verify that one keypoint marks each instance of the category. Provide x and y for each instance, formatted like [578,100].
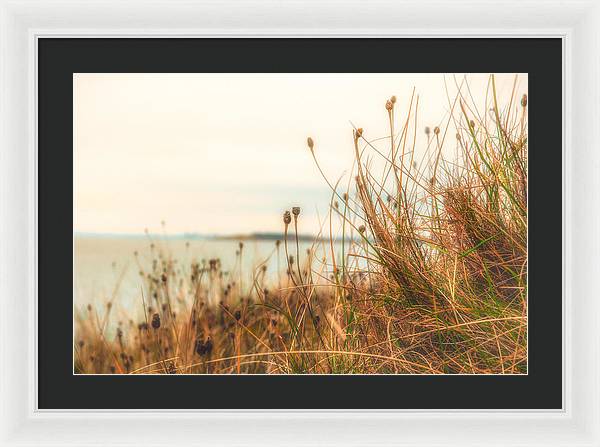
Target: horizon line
[185,234]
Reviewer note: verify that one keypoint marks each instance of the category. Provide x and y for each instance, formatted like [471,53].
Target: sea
[107,267]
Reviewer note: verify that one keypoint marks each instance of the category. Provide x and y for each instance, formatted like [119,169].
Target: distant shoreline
[268,236]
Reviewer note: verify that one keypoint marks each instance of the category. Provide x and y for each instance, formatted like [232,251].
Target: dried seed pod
[436,130]
[199,347]
[524,100]
[287,218]
[203,347]
[296,211]
[155,321]
[311,143]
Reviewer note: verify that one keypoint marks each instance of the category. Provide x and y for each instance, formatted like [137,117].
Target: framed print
[334,237]
[412,268]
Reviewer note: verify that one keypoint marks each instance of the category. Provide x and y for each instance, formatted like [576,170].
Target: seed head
[524,101]
[203,347]
[287,218]
[311,143]
[389,106]
[436,130]
[472,124]
[208,345]
[155,321]
[358,133]
[393,99]
[296,211]
[427,130]
[361,229]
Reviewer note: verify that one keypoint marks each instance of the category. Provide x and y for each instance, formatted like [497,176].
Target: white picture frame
[577,23]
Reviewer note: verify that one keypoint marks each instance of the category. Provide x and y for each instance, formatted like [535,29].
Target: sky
[227,153]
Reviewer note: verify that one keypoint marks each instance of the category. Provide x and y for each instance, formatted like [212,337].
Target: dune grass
[430,276]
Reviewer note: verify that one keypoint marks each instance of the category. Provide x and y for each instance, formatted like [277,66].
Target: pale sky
[226,153]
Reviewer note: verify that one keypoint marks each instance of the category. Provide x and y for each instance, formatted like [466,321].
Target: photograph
[300,223]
